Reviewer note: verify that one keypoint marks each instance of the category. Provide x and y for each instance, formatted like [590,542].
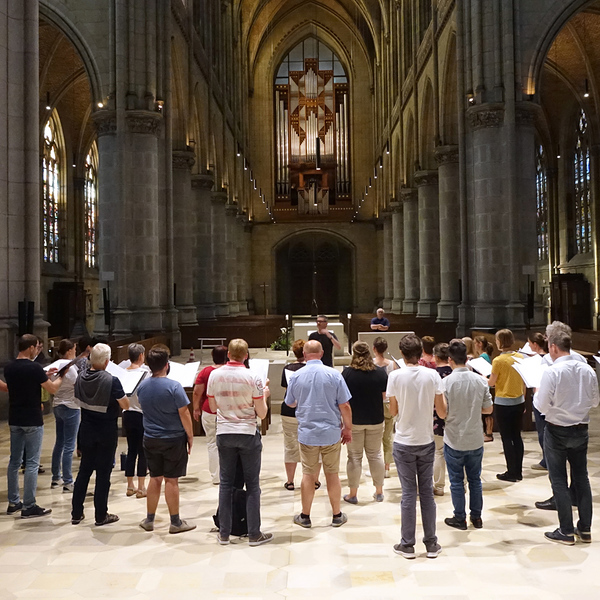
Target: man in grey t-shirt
[466,398]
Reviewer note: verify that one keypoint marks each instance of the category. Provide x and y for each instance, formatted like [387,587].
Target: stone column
[388,272]
[411,250]
[447,159]
[202,264]
[20,219]
[218,238]
[231,211]
[398,255]
[184,246]
[429,243]
[248,266]
[243,251]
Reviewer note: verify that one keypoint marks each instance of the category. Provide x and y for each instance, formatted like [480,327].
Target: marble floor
[50,558]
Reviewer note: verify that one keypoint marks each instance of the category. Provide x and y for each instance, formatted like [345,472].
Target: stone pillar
[447,159]
[231,211]
[411,250]
[398,255]
[218,236]
[184,246]
[429,243]
[202,261]
[243,251]
[20,219]
[388,267]
[248,266]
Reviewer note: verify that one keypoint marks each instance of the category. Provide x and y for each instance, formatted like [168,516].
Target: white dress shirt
[567,393]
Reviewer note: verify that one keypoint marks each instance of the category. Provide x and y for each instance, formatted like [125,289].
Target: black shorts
[166,457]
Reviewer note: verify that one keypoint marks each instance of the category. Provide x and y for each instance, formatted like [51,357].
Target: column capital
[445,155]
[183,159]
[231,209]
[203,181]
[527,114]
[396,207]
[426,178]
[483,116]
[143,121]
[105,122]
[408,195]
[219,197]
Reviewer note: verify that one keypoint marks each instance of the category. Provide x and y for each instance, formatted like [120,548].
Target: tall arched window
[51,188]
[91,205]
[582,176]
[542,203]
[312,128]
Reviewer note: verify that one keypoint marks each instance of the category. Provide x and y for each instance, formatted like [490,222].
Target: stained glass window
[542,204]
[91,205]
[51,165]
[582,175]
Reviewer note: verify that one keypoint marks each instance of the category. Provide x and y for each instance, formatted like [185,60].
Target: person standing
[509,405]
[380,323]
[567,393]
[367,384]
[100,395]
[440,354]
[466,398]
[168,438]
[412,392]
[202,411]
[24,381]
[67,416]
[238,397]
[321,398]
[326,338]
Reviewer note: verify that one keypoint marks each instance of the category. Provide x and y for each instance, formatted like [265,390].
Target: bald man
[320,396]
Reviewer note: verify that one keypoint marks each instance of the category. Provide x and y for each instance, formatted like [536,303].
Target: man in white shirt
[567,393]
[412,391]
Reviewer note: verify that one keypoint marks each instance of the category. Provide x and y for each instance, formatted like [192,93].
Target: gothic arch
[427,128]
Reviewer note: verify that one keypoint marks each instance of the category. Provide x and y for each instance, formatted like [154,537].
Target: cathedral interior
[189,167]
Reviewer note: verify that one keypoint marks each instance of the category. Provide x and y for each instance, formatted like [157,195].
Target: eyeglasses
[321,321]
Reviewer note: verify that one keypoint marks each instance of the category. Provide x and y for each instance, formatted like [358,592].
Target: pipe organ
[312,137]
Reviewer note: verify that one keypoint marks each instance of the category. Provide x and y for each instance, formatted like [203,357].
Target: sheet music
[531,371]
[289,374]
[125,364]
[185,374]
[129,379]
[526,349]
[260,368]
[597,358]
[400,362]
[481,365]
[58,364]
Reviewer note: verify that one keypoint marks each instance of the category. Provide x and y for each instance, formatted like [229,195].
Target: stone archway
[315,274]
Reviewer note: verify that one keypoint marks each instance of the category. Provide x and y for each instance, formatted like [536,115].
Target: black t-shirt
[327,346]
[108,419]
[366,388]
[24,378]
[288,411]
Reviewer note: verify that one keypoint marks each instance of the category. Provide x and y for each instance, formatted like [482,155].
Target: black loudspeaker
[106,303]
[26,312]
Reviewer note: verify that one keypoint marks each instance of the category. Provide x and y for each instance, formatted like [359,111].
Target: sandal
[289,485]
[317,485]
[131,491]
[141,494]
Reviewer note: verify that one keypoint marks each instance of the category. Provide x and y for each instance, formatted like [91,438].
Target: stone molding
[203,181]
[143,121]
[426,178]
[396,207]
[446,155]
[527,113]
[485,116]
[105,122]
[231,210]
[219,197]
[409,195]
[184,159]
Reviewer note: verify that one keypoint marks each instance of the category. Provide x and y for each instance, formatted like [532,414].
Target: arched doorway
[315,275]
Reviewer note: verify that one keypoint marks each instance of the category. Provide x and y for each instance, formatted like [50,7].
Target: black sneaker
[433,550]
[405,551]
[35,511]
[546,504]
[13,508]
[584,536]
[456,523]
[558,536]
[77,520]
[508,477]
[477,522]
[108,519]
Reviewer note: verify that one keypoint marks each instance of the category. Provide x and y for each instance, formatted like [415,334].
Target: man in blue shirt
[320,396]
[380,323]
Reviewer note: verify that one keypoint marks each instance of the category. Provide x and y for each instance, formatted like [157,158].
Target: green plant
[282,342]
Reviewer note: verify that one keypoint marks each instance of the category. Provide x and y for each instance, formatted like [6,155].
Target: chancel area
[193,171]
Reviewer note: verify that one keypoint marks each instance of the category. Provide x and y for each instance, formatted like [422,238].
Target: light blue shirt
[318,391]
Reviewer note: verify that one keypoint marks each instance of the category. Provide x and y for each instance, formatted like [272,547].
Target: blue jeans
[460,462]
[415,466]
[67,426]
[30,440]
[562,444]
[540,425]
[249,449]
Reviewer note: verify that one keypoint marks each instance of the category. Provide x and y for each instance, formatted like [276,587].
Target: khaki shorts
[330,457]
[291,448]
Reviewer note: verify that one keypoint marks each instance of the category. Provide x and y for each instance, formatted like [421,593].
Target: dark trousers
[509,420]
[540,425]
[133,422]
[248,449]
[98,448]
[563,444]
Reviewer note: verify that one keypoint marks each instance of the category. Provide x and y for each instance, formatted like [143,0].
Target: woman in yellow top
[510,403]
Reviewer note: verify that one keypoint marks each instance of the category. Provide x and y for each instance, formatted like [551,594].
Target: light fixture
[318,160]
[74,162]
[245,165]
[558,151]
[375,172]
[586,93]
[381,162]
[239,151]
[387,147]
[366,190]
[100,105]
[160,104]
[48,107]
[370,183]
[471,98]
[254,182]
[251,174]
